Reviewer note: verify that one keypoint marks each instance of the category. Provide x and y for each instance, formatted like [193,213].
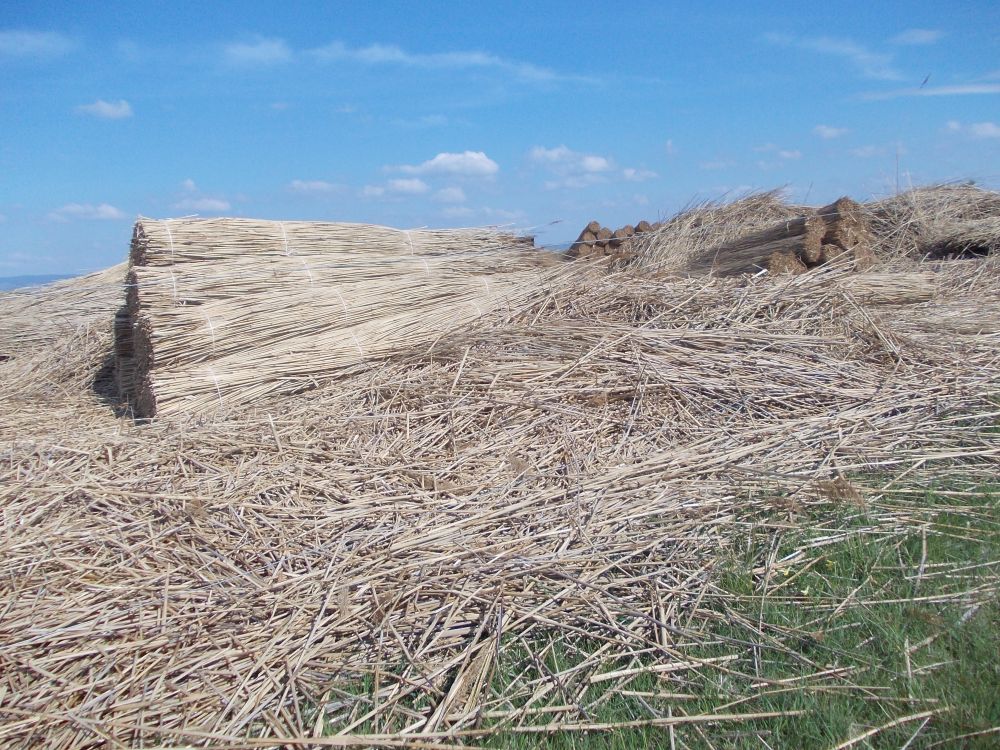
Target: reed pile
[225,311]
[936,221]
[499,530]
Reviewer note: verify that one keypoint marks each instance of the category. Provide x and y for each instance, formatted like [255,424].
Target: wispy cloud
[975,129]
[39,45]
[408,186]
[965,89]
[868,63]
[828,132]
[390,54]
[781,153]
[466,164]
[916,37]
[101,211]
[261,51]
[565,158]
[208,205]
[312,186]
[107,110]
[573,169]
[398,187]
[450,195]
[985,130]
[631,174]
[457,212]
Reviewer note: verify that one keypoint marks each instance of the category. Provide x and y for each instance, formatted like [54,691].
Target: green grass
[910,618]
[876,615]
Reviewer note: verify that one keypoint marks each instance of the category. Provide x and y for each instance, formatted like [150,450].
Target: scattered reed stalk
[399,555]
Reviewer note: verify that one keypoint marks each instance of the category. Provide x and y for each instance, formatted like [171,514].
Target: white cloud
[670,148]
[829,132]
[564,158]
[210,205]
[373,191]
[975,130]
[965,89]
[408,186]
[34,44]
[869,64]
[389,54]
[572,168]
[467,163]
[450,195]
[985,130]
[917,36]
[789,154]
[312,186]
[189,185]
[107,110]
[638,175]
[102,211]
[261,51]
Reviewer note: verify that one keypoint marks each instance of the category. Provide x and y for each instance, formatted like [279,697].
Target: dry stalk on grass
[399,554]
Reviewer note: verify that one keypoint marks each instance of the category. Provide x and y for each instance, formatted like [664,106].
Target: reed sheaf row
[224,311]
[497,530]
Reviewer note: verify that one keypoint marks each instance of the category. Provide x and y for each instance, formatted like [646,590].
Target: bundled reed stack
[224,311]
[596,241]
[755,233]
[938,221]
[795,245]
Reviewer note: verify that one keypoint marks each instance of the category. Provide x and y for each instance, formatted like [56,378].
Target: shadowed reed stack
[222,311]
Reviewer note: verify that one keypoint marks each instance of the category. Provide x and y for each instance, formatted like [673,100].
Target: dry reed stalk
[226,311]
[565,472]
[909,224]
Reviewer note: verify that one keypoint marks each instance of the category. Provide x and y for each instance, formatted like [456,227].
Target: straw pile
[499,531]
[225,311]
[939,221]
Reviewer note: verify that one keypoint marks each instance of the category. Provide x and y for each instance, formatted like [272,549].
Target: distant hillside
[16,282]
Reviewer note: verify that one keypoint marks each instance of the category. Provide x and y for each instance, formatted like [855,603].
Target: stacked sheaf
[225,311]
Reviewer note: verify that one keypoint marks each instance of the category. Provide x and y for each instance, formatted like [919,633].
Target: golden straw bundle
[224,311]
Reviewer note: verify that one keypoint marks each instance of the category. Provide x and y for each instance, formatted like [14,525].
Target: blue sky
[454,114]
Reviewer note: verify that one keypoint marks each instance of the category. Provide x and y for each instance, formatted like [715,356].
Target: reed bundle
[931,221]
[225,311]
[543,494]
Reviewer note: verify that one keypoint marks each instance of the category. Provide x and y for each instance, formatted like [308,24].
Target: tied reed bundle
[225,311]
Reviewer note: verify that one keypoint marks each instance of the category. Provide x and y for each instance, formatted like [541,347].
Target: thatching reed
[562,474]
[225,311]
[932,222]
[936,221]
